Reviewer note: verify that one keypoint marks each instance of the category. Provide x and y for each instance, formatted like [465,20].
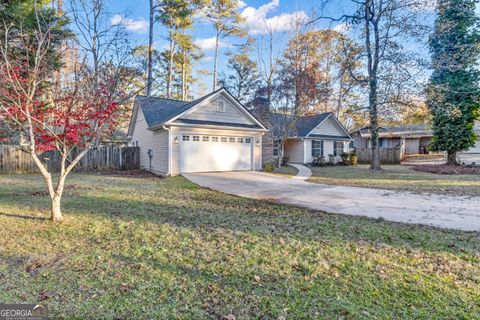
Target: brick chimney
[261,110]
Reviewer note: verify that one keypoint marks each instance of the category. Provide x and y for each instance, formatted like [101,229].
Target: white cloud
[342,27]
[257,21]
[241,4]
[140,25]
[209,43]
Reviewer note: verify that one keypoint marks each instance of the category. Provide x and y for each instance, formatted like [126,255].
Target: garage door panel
[216,154]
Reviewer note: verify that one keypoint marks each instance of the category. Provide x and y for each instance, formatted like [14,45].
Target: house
[411,139]
[472,155]
[213,133]
[311,137]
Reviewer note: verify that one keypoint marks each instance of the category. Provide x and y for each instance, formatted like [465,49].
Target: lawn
[398,177]
[139,247]
[286,171]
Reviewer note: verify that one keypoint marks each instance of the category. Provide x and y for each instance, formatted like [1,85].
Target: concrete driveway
[454,212]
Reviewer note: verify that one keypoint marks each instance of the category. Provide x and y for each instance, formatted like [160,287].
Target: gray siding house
[312,136]
[217,133]
[411,139]
[213,133]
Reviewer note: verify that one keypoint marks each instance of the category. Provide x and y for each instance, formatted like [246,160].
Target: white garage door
[206,153]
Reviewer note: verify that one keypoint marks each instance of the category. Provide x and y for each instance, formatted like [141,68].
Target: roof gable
[306,124]
[207,111]
[160,111]
[330,126]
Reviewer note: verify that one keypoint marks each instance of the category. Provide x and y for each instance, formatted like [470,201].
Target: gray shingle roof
[303,126]
[414,130]
[160,110]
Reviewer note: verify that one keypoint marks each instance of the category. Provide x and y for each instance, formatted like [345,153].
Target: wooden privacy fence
[14,160]
[387,155]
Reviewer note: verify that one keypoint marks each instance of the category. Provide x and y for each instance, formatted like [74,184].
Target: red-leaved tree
[46,112]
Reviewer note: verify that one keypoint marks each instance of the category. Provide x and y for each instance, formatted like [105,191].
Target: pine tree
[453,94]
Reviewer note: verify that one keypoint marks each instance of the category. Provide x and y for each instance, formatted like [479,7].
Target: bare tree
[269,53]
[383,28]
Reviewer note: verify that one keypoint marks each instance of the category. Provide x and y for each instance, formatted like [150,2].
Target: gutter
[163,126]
[169,150]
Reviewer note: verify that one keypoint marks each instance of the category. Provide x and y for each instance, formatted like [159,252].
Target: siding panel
[208,112]
[329,127]
[155,140]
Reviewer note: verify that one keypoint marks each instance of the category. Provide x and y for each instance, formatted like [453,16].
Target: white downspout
[169,150]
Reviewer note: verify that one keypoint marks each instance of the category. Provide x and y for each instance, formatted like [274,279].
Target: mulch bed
[446,169]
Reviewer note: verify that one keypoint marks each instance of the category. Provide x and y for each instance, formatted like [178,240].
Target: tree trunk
[170,65]
[215,62]
[56,213]
[452,158]
[372,65]
[184,76]
[150,52]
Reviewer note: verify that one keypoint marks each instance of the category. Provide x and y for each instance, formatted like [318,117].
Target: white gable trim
[234,101]
[133,120]
[342,128]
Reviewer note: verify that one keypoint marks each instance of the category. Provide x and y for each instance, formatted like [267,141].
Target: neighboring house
[472,155]
[412,139]
[118,138]
[213,133]
[312,136]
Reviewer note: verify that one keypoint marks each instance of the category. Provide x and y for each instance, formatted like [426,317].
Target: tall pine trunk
[215,63]
[373,57]
[170,65]
[150,51]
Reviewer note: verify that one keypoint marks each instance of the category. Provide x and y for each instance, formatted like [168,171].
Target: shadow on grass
[202,208]
[23,217]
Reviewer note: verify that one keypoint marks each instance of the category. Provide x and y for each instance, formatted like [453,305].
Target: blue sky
[134,15]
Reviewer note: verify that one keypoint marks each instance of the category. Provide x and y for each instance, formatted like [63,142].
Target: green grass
[398,177]
[286,171]
[150,248]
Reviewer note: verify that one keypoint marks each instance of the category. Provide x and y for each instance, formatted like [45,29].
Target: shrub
[353,158]
[346,158]
[269,167]
[285,160]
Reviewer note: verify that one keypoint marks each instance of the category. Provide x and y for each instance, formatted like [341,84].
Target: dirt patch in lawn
[447,169]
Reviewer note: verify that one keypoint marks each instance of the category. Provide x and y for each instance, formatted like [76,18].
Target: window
[186,138]
[382,143]
[240,140]
[231,140]
[276,144]
[205,138]
[317,148]
[214,139]
[196,138]
[224,139]
[337,148]
[248,140]
[220,106]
